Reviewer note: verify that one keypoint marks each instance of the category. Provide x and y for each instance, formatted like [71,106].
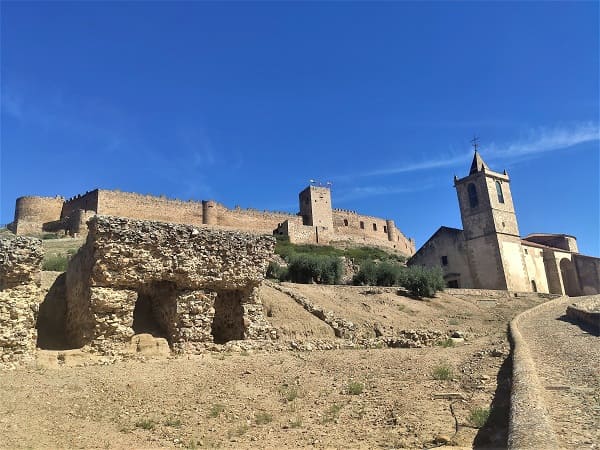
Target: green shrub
[216,410]
[277,272]
[388,274]
[57,263]
[47,236]
[263,418]
[172,422]
[385,273]
[443,372]
[307,268]
[355,388]
[446,343]
[421,281]
[367,275]
[479,416]
[145,424]
[285,249]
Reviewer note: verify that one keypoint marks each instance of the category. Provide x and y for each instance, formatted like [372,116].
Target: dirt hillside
[387,398]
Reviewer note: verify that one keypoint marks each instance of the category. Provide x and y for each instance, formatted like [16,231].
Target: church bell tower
[490,228]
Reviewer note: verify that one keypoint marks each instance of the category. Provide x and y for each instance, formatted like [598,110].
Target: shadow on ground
[586,327]
[494,434]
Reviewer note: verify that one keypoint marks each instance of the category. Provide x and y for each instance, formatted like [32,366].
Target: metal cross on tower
[475,142]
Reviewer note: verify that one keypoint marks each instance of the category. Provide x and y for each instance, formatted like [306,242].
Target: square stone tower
[315,207]
[490,228]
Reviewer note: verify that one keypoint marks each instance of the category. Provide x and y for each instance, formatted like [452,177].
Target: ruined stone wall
[369,230]
[189,285]
[32,212]
[20,295]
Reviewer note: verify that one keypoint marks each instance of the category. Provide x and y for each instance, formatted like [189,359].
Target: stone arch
[569,277]
[155,310]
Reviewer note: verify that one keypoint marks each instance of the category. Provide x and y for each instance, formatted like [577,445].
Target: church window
[385,229]
[499,191]
[374,227]
[444,260]
[473,200]
[525,250]
[362,225]
[345,222]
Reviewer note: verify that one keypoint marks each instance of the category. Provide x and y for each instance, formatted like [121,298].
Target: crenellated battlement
[317,221]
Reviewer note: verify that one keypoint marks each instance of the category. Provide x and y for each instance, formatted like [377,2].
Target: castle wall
[369,230]
[148,207]
[87,202]
[32,212]
[263,222]
[342,226]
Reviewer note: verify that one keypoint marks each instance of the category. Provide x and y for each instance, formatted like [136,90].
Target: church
[488,253]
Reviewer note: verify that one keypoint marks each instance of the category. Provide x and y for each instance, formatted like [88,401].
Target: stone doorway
[228,322]
[155,310]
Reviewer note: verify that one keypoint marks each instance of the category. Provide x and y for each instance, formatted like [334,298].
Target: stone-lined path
[567,361]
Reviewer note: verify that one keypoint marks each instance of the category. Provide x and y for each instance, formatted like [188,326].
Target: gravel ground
[567,360]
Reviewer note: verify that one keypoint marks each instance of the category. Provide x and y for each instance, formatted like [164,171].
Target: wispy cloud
[433,163]
[544,140]
[535,142]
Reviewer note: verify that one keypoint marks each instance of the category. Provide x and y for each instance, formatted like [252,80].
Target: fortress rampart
[32,212]
[34,215]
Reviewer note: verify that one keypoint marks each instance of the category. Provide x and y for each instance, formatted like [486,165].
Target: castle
[316,223]
[489,253]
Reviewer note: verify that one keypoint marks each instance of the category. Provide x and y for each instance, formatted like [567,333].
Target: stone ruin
[20,295]
[193,286]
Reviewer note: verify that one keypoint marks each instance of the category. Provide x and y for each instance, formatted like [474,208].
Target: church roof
[478,164]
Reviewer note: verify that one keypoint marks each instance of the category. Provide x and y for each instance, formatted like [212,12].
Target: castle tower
[209,212]
[490,228]
[315,207]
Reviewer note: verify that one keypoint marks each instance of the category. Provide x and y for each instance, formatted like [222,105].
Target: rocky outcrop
[20,272]
[192,286]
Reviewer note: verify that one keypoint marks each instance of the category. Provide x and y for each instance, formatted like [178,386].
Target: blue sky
[245,102]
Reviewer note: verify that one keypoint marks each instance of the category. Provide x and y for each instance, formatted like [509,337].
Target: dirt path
[567,360]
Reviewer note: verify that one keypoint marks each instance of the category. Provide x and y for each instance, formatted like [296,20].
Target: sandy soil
[336,399]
